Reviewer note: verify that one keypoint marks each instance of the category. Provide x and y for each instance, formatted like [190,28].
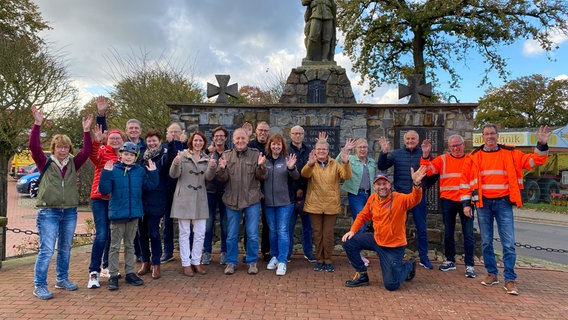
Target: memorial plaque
[312,133]
[208,128]
[316,91]
[436,137]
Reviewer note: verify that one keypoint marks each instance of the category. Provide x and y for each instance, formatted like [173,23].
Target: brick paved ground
[301,294]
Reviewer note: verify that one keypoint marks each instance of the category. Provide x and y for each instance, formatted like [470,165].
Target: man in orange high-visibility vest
[449,167]
[491,180]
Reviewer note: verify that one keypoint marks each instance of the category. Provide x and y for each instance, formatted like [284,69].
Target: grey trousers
[119,232]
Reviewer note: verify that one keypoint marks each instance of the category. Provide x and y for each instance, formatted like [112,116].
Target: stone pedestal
[318,82]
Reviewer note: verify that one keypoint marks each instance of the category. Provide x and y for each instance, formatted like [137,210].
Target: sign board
[312,133]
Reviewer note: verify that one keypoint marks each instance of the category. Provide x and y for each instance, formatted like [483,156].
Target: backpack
[34,184]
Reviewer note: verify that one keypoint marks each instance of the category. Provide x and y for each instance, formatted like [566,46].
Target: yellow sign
[510,138]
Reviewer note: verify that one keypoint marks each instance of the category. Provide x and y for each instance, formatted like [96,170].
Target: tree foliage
[29,75]
[387,40]
[143,87]
[526,102]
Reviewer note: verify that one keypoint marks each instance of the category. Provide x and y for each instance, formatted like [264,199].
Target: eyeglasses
[219,136]
[297,133]
[62,147]
[263,130]
[456,145]
[490,133]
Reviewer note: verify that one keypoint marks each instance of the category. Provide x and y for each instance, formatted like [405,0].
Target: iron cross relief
[414,89]
[223,90]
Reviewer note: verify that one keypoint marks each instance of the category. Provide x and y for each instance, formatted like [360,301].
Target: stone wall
[354,120]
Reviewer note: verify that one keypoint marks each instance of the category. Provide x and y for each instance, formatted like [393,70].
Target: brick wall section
[354,120]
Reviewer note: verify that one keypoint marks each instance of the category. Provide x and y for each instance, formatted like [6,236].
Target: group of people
[142,185]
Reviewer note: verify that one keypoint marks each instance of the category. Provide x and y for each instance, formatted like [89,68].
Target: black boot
[412,272]
[360,279]
[133,279]
[113,283]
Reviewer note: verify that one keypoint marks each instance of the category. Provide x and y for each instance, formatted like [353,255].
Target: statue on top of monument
[320,29]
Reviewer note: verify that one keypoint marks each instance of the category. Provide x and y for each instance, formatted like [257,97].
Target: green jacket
[55,192]
[352,185]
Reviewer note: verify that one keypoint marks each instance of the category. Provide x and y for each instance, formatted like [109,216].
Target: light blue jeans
[356,204]
[54,225]
[501,211]
[278,219]
[252,218]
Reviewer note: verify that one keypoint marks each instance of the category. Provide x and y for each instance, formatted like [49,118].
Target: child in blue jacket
[125,181]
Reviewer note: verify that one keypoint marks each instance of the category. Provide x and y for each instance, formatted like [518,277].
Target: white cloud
[532,48]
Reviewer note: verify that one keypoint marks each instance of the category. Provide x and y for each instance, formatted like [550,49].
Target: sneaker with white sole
[490,280]
[66,284]
[469,272]
[272,264]
[511,288]
[42,292]
[93,280]
[281,269]
[206,258]
[223,258]
[447,266]
[252,268]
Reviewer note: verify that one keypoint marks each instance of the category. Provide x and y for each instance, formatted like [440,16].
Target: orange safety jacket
[499,173]
[388,216]
[449,168]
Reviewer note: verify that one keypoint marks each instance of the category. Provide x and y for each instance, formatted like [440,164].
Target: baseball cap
[381,176]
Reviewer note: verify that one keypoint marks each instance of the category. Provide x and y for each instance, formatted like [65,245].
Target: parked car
[22,171]
[24,183]
[22,159]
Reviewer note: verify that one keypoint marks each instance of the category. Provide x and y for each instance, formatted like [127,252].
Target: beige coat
[190,197]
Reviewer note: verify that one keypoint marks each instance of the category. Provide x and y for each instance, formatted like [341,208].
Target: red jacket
[388,216]
[99,156]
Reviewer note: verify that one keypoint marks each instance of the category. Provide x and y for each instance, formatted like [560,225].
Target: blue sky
[251,40]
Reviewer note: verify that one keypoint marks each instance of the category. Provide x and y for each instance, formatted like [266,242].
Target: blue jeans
[101,244]
[307,231]
[54,225]
[149,230]
[356,204]
[278,219]
[419,216]
[234,217]
[394,271]
[449,211]
[214,200]
[500,210]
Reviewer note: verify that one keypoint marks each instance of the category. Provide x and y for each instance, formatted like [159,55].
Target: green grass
[546,207]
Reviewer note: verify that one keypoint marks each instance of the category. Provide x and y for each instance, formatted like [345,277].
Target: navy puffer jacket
[125,186]
[402,159]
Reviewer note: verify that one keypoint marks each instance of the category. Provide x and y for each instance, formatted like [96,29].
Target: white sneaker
[93,280]
[365,260]
[272,264]
[281,269]
[105,273]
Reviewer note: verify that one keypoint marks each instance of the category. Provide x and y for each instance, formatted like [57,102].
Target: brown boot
[198,269]
[188,271]
[156,272]
[144,268]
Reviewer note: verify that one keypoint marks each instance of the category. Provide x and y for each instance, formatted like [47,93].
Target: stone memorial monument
[319,80]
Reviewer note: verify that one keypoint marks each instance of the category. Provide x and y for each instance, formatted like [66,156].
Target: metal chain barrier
[30,232]
[528,246]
